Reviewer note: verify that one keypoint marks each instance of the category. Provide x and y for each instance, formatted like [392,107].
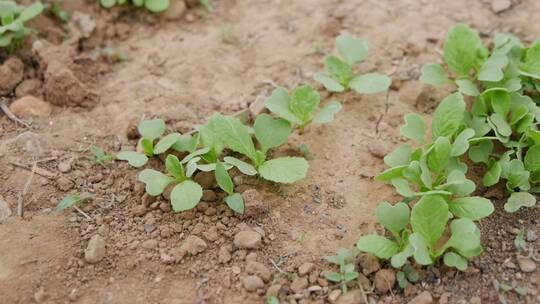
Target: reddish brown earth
[182,69]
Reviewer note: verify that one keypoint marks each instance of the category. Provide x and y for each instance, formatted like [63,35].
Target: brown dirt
[183,71]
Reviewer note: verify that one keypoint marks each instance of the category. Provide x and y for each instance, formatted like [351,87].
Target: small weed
[347,270]
[100,157]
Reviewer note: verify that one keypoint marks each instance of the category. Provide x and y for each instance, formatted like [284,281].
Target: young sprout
[339,75]
[150,130]
[301,107]
[347,272]
[100,156]
[155,6]
[12,20]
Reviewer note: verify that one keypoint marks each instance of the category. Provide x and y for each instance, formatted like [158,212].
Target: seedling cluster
[12,22]
[155,6]
[436,217]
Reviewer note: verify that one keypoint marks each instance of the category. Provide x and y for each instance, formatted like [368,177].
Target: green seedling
[150,131]
[339,75]
[207,4]
[186,193]
[301,107]
[155,6]
[432,179]
[347,270]
[270,133]
[519,241]
[272,300]
[56,9]
[100,157]
[12,23]
[407,275]
[74,201]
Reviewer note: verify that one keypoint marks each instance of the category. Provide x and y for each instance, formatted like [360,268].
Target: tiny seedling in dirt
[407,275]
[12,20]
[56,9]
[272,300]
[339,75]
[155,6]
[150,131]
[301,107]
[73,201]
[519,241]
[347,271]
[100,157]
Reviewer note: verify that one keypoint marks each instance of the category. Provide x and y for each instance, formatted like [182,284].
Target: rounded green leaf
[235,202]
[352,50]
[465,237]
[223,178]
[107,3]
[151,129]
[278,103]
[461,144]
[135,159]
[467,87]
[338,69]
[155,181]
[156,6]
[399,157]
[244,167]
[448,116]
[327,113]
[185,196]
[428,218]
[394,218]
[518,200]
[493,175]
[378,246]
[414,128]
[434,74]
[30,12]
[532,158]
[270,132]
[461,49]
[328,82]
[166,142]
[69,201]
[370,83]
[303,102]
[420,249]
[472,207]
[452,259]
[284,169]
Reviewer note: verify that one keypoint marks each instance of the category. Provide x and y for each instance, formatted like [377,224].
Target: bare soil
[185,69]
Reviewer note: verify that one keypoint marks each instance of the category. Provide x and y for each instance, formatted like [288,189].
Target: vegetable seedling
[100,157]
[301,107]
[150,130]
[270,133]
[73,201]
[186,193]
[155,6]
[12,20]
[347,272]
[339,76]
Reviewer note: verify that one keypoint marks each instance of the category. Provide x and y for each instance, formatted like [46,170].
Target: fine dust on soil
[183,71]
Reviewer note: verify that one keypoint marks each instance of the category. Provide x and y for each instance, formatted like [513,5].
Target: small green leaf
[473,207]
[500,124]
[420,249]
[353,50]
[69,201]
[399,157]
[370,83]
[188,143]
[270,132]
[244,167]
[107,3]
[414,128]
[481,152]
[465,237]
[429,217]
[333,276]
[155,181]
[234,134]
[284,169]
[461,49]
[402,187]
[439,156]
[459,184]
[174,167]
[166,142]
[448,117]
[493,175]
[156,6]
[235,202]
[518,200]
[223,178]
[328,82]
[452,259]
[467,87]
[278,103]
[492,69]
[394,218]
[532,158]
[303,102]
[461,144]
[327,113]
[185,196]
[379,246]
[338,69]
[433,74]
[135,159]
[151,129]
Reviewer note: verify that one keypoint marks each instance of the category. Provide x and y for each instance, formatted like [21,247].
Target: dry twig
[20,205]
